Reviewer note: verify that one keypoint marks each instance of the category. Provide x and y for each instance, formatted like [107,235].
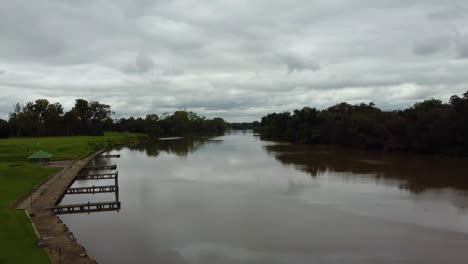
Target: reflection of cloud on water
[203,253]
[295,188]
[234,161]
[169,257]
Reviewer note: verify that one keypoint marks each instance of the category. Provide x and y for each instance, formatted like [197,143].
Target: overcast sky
[238,59]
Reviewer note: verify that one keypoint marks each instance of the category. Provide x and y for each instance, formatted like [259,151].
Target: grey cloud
[461,44]
[235,59]
[173,72]
[297,63]
[142,64]
[431,46]
[6,106]
[451,13]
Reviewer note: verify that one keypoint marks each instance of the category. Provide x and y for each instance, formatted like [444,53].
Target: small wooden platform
[49,228]
[105,167]
[92,189]
[98,176]
[110,156]
[86,208]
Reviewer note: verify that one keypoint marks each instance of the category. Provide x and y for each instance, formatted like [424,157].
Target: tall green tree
[430,126]
[54,120]
[4,129]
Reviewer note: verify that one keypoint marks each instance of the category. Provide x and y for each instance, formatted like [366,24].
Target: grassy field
[18,177]
[17,238]
[18,149]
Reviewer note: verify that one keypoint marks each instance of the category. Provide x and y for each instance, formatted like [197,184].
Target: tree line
[242,125]
[42,118]
[180,123]
[430,126]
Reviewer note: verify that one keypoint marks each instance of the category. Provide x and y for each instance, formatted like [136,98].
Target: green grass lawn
[18,177]
[17,237]
[18,149]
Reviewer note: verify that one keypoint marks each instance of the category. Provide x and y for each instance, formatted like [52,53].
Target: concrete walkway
[28,200]
[60,244]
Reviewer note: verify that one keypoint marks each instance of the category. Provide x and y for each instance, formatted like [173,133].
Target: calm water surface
[237,199]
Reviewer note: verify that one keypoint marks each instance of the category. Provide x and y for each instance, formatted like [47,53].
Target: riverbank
[237,199]
[58,241]
[18,177]
[18,238]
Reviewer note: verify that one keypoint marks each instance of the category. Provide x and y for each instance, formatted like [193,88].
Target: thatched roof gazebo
[40,157]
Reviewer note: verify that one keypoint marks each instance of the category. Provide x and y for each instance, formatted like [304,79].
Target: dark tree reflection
[416,173]
[180,147]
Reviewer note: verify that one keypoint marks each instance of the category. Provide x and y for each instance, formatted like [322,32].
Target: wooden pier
[104,167]
[86,207]
[110,156]
[92,189]
[98,176]
[60,244]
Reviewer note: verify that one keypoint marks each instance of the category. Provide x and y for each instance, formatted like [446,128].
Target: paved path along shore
[25,201]
[60,244]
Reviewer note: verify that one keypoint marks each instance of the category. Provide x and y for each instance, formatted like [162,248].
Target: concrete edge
[26,195]
[34,227]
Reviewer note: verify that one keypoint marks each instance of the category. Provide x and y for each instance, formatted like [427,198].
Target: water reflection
[228,201]
[177,146]
[416,173]
[85,185]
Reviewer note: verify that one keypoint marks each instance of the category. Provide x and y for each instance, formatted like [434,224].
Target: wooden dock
[60,244]
[104,167]
[86,207]
[92,189]
[98,176]
[110,156]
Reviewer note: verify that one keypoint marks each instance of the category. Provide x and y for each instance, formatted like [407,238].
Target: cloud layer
[234,59]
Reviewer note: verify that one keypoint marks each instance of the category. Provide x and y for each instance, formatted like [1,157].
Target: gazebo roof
[40,155]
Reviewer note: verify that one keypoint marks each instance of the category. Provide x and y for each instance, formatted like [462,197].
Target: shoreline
[59,243]
[22,202]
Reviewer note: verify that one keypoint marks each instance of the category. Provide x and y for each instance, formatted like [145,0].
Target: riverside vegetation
[42,118]
[430,126]
[41,125]
[18,177]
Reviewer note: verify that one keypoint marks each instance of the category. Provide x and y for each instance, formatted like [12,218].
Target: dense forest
[41,118]
[242,126]
[429,126]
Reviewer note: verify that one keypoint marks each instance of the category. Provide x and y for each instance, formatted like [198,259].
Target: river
[238,199]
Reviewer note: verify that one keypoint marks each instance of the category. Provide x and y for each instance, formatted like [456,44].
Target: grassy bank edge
[18,177]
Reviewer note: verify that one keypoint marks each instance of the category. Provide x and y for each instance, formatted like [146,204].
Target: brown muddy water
[237,199]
